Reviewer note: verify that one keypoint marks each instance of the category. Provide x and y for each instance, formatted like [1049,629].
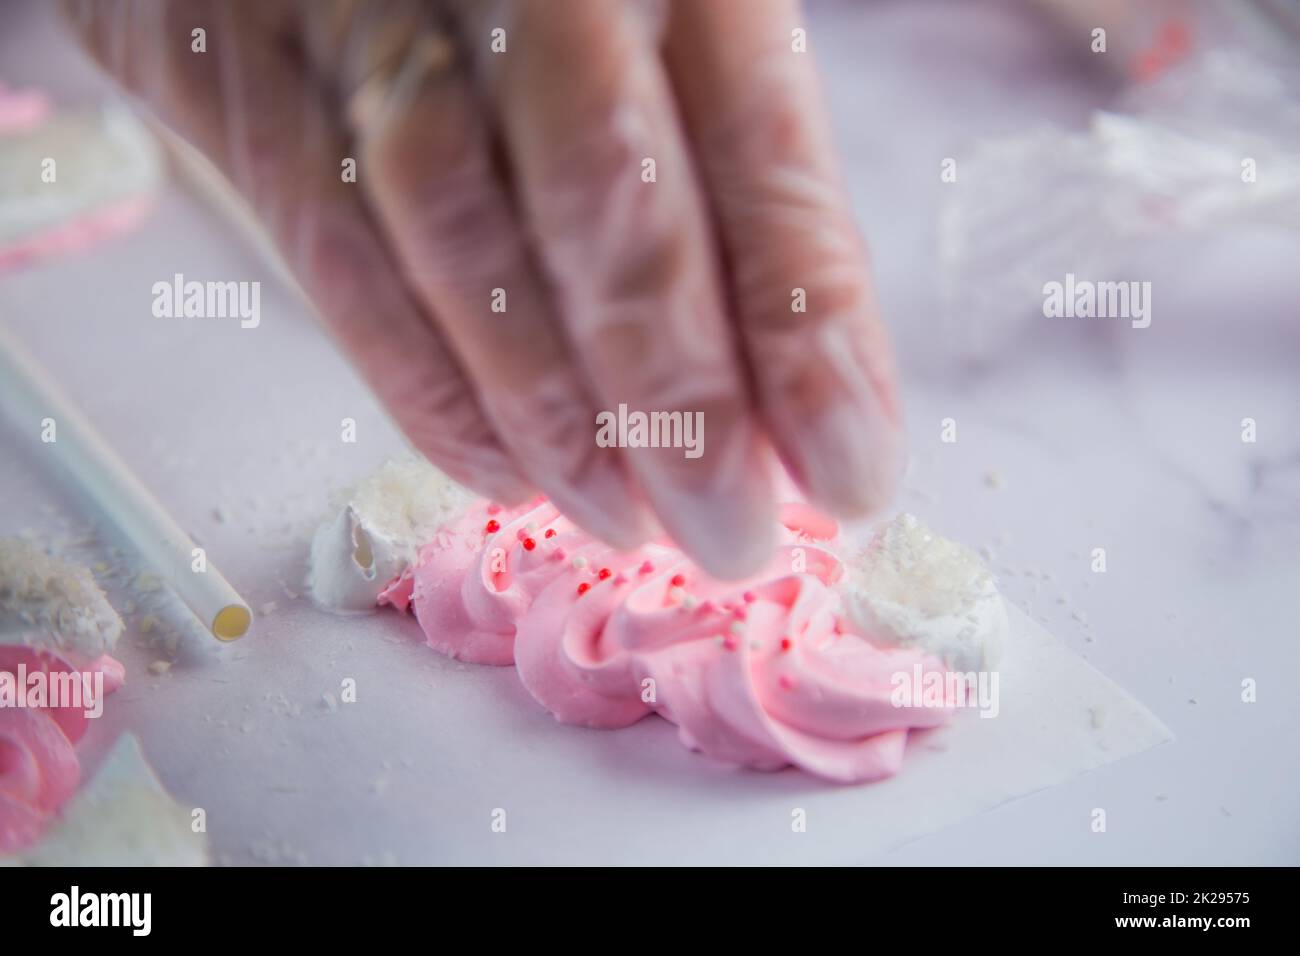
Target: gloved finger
[799,277]
[427,167]
[246,103]
[633,263]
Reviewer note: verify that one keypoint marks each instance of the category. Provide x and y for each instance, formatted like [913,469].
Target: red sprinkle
[583,588]
[729,643]
[529,544]
[749,597]
[678,580]
[706,607]
[493,526]
[550,532]
[739,614]
[603,573]
[646,567]
[786,643]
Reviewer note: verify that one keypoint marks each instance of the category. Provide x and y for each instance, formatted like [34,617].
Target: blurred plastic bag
[1212,142]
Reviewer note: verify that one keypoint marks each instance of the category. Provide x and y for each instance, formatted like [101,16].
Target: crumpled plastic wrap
[1212,142]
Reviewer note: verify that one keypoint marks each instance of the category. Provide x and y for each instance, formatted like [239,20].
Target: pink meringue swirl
[765,673]
[39,769]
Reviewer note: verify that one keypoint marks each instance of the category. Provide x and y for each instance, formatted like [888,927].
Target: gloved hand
[504,146]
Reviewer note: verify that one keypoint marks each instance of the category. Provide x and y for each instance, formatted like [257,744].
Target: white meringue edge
[122,817]
[377,531]
[972,641]
[340,577]
[969,639]
[60,617]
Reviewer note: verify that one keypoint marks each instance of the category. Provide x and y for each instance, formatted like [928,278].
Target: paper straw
[32,396]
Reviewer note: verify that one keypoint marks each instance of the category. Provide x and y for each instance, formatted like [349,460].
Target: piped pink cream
[765,673]
[39,769]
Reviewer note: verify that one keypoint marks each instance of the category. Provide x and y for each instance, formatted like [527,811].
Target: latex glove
[522,171]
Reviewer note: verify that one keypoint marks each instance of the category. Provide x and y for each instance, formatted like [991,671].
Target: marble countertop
[1072,436]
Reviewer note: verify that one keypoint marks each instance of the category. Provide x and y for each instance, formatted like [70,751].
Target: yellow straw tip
[232,622]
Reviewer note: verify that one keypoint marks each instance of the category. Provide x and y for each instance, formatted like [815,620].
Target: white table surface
[1128,441]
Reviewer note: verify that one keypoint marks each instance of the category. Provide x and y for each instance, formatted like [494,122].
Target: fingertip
[606,505]
[724,521]
[731,551]
[848,457]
